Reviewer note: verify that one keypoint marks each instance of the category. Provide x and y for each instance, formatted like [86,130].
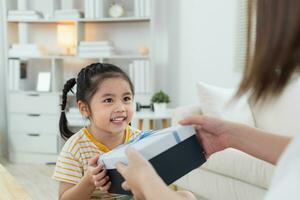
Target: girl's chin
[120,125]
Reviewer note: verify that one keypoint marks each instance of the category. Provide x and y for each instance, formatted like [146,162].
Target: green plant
[160,97]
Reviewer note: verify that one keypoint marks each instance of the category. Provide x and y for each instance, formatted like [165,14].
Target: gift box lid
[149,144]
[173,152]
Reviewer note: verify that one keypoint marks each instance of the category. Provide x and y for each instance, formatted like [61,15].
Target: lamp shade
[66,35]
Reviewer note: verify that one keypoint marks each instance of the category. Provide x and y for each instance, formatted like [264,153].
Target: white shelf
[104,20]
[33,93]
[121,57]
[127,34]
[58,57]
[121,19]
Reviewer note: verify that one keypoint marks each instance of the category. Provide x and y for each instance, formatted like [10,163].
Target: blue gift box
[173,152]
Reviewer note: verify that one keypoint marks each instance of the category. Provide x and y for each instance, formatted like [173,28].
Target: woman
[276,59]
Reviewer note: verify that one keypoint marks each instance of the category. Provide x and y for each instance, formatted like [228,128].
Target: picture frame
[43,82]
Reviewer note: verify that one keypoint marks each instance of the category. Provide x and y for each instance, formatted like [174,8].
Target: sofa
[232,174]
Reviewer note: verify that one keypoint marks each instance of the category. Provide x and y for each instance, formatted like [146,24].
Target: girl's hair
[88,80]
[277,47]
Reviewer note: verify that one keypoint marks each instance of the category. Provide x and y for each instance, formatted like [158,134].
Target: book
[146,76]
[23,33]
[142,8]
[99,9]
[142,75]
[68,14]
[147,8]
[95,43]
[67,4]
[22,4]
[137,8]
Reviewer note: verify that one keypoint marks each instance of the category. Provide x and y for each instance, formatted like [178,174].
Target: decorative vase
[160,108]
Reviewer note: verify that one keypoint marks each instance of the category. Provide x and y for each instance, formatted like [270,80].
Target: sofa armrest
[185,111]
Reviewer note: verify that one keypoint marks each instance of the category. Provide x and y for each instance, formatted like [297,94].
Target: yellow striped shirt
[72,162]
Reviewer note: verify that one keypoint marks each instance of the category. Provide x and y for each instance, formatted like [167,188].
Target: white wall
[200,37]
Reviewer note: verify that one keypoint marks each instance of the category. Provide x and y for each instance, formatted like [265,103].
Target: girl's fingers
[93,160]
[106,186]
[96,170]
[102,182]
[100,175]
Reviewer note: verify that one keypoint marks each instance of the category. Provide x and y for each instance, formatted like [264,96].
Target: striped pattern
[73,159]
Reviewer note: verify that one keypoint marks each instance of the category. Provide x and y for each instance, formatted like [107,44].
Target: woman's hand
[143,181]
[139,175]
[97,174]
[213,133]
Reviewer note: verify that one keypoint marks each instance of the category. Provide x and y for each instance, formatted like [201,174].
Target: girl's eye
[108,100]
[127,99]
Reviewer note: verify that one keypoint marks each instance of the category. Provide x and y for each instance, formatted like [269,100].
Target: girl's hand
[97,174]
[213,133]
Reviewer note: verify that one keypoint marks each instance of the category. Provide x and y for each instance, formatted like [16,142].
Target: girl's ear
[84,109]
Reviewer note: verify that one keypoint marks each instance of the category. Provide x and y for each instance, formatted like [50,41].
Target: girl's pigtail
[63,122]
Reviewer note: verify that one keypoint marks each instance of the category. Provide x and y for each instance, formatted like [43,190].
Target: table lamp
[66,37]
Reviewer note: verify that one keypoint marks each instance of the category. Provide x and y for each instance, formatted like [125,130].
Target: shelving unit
[123,19]
[33,115]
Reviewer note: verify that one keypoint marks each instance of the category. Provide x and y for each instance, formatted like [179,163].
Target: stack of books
[14,74]
[93,9]
[139,71]
[67,14]
[87,49]
[142,8]
[24,15]
[25,50]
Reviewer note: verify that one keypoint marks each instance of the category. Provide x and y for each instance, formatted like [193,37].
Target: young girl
[104,96]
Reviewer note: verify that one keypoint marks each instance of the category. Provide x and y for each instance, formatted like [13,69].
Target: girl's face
[112,106]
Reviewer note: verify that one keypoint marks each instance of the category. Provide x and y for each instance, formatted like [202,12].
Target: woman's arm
[258,143]
[216,135]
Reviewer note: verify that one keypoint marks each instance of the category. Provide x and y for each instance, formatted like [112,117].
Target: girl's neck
[110,140]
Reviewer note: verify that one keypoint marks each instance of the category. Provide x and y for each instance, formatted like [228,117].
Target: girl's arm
[80,191]
[94,177]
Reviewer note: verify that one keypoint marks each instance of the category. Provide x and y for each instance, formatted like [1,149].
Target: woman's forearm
[258,143]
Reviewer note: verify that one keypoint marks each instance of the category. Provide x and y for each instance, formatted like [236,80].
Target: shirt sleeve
[68,168]
[134,132]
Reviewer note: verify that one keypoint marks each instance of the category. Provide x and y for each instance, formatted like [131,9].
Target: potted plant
[160,101]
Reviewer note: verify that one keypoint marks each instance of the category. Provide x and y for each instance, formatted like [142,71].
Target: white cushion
[239,165]
[281,115]
[211,185]
[216,101]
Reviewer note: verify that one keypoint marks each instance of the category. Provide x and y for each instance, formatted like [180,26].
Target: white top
[286,180]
